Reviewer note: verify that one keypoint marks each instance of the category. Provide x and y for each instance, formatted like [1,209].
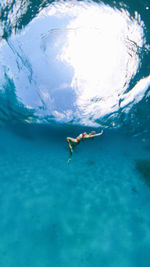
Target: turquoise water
[93,212]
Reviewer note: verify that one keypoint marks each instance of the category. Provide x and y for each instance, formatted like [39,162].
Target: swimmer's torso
[80,137]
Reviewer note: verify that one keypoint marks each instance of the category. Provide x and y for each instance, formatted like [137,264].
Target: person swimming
[72,142]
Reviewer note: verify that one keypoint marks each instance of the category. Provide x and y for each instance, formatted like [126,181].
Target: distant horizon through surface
[67,67]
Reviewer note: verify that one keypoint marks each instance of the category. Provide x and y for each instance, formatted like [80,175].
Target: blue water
[93,212]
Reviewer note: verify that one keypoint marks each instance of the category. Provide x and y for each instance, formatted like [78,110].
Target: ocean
[68,67]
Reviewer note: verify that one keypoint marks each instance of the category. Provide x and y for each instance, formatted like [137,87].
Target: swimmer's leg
[70,146]
[73,140]
[70,150]
[69,159]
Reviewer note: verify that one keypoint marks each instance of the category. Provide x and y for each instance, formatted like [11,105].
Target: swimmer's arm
[93,135]
[98,133]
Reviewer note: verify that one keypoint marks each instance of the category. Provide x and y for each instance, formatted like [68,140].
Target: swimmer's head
[84,134]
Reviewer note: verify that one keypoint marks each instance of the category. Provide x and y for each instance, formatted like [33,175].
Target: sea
[68,67]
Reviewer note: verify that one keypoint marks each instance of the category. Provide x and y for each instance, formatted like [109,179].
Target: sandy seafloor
[91,213]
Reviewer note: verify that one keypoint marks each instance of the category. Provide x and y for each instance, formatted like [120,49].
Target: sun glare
[101,46]
[77,60]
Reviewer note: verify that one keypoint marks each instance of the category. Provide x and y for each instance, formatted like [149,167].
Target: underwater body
[68,67]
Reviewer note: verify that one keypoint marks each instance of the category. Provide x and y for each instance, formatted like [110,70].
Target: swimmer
[72,142]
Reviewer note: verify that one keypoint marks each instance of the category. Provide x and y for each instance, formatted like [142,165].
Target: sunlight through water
[74,63]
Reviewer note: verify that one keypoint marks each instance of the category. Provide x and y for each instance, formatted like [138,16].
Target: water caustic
[61,71]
